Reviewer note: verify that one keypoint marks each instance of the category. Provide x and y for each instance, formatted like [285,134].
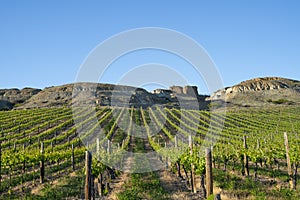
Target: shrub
[281,101]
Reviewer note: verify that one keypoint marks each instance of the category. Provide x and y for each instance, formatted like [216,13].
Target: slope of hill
[260,92]
[255,92]
[103,95]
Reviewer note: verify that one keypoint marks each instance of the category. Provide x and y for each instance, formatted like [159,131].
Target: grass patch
[243,188]
[66,187]
[143,186]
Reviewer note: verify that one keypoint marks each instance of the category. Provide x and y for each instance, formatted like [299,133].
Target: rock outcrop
[260,91]
[6,105]
[186,90]
[114,95]
[176,89]
[190,90]
[14,97]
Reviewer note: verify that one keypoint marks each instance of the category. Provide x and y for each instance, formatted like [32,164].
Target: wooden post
[202,184]
[88,166]
[73,158]
[93,188]
[24,161]
[209,177]
[167,162]
[98,148]
[177,163]
[288,160]
[108,146]
[51,144]
[193,182]
[42,165]
[100,184]
[246,159]
[295,167]
[212,156]
[175,142]
[178,169]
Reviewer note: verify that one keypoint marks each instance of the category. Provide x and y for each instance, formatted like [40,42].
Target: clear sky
[44,43]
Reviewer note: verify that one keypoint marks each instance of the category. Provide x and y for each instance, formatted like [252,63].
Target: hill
[102,95]
[268,91]
[260,92]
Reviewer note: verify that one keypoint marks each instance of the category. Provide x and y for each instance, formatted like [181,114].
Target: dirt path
[117,186]
[174,186]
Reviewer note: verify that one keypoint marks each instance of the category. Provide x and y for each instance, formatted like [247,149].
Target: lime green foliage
[211,197]
[21,132]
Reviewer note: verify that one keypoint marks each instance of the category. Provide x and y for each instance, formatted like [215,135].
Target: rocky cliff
[260,91]
[13,97]
[102,95]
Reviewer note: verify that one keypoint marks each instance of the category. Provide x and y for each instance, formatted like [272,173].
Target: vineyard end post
[209,177]
[88,166]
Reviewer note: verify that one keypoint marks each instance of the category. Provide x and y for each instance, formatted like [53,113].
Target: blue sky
[44,43]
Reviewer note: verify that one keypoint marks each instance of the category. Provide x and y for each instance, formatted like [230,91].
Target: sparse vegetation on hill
[260,92]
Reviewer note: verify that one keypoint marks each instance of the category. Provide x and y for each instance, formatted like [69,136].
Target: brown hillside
[260,92]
